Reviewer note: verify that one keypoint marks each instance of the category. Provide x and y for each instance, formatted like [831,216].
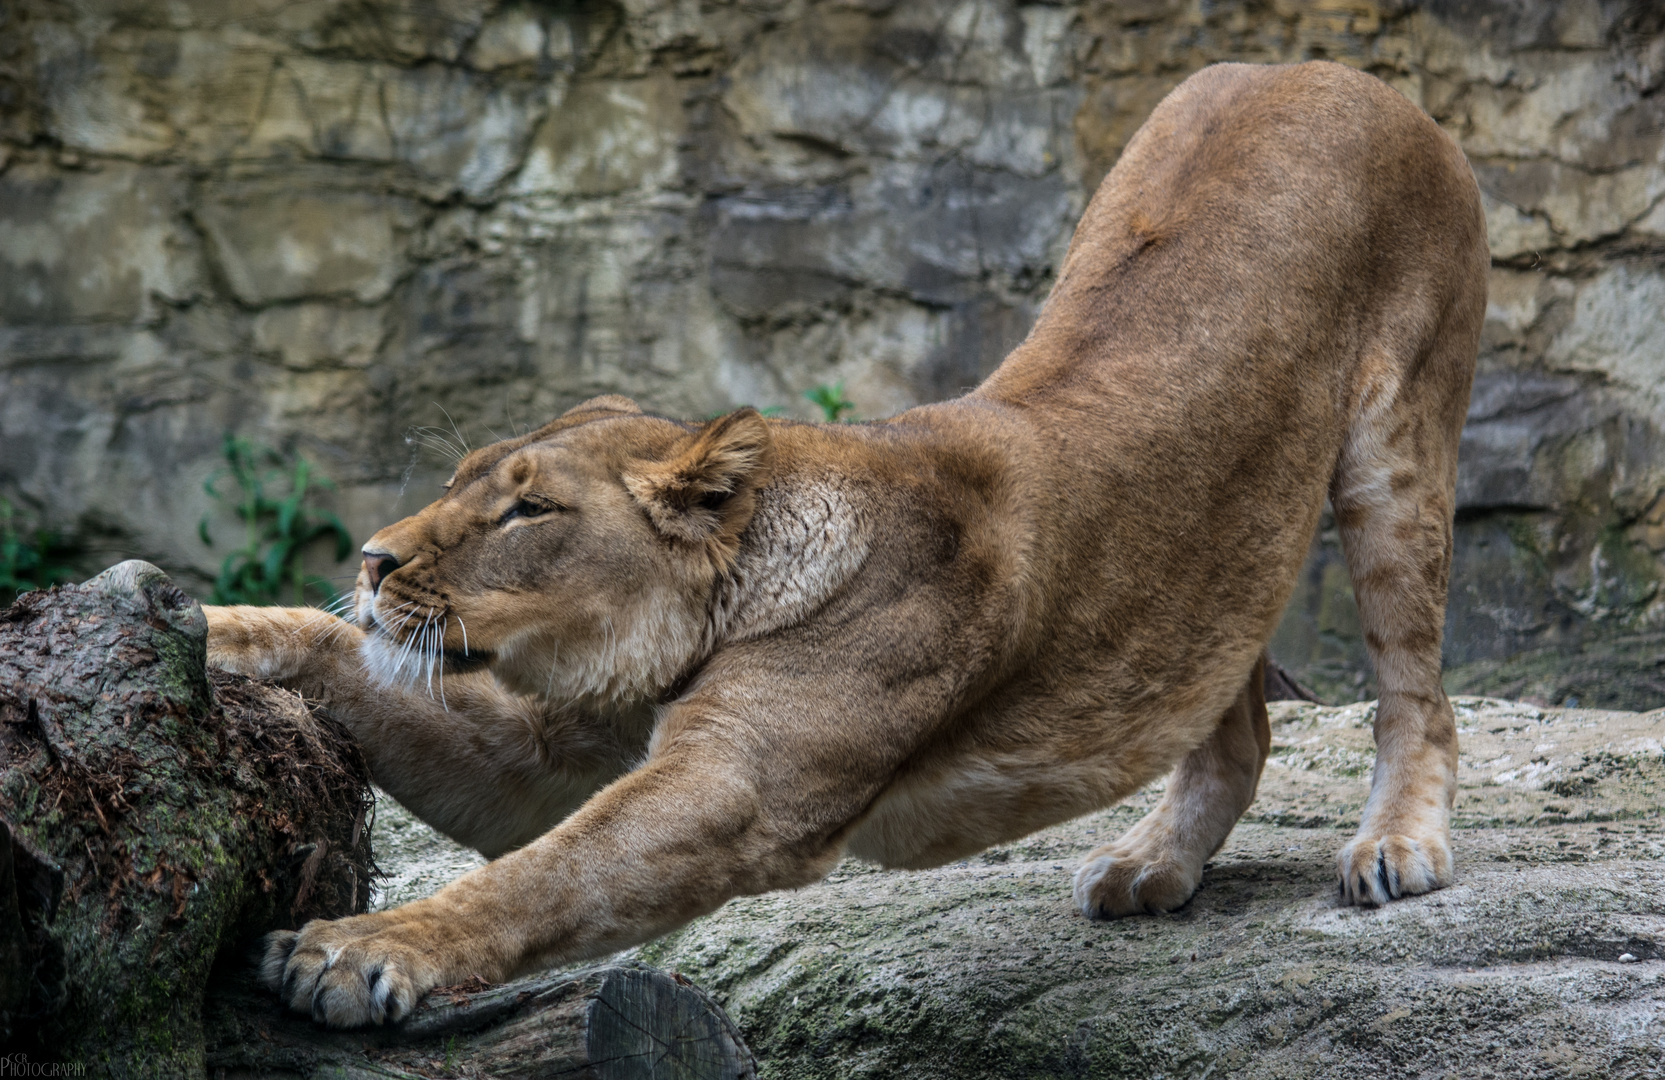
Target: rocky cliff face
[326,224]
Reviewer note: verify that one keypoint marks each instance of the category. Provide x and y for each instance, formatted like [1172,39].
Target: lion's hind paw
[1374,870]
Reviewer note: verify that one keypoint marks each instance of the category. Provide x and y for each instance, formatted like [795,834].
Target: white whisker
[399,661]
[332,626]
[438,441]
[424,656]
[428,652]
[331,632]
[440,654]
[462,441]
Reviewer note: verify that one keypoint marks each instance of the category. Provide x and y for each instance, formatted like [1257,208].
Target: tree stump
[157,817]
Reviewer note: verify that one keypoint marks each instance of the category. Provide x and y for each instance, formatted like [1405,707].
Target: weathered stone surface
[985,968]
[274,244]
[308,336]
[414,861]
[318,223]
[83,245]
[606,138]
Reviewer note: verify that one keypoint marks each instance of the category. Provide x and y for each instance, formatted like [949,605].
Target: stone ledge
[985,969]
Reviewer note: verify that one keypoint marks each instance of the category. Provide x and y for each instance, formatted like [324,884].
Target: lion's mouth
[461,663]
[416,656]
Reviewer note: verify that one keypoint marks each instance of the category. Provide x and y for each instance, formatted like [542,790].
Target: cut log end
[646,1023]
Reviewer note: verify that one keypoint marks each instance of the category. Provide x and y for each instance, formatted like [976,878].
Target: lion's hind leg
[1393,495]
[1403,845]
[1156,865]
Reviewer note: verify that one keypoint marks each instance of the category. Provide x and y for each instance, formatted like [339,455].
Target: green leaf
[272,500]
[29,558]
[831,400]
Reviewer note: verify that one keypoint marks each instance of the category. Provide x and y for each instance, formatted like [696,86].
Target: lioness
[651,665]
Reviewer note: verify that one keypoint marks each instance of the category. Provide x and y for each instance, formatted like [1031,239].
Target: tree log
[15,953]
[156,818]
[607,1023]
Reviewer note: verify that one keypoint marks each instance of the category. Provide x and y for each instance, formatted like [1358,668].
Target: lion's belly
[954,806]
[930,821]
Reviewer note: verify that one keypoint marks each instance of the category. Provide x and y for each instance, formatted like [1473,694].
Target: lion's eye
[527,508]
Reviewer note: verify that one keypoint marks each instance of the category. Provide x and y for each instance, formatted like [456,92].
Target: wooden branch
[612,1022]
[1280,685]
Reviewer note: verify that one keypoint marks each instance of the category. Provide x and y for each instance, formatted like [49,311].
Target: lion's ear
[704,491]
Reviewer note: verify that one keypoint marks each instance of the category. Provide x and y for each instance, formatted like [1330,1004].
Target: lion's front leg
[290,645]
[706,819]
[1156,865]
[490,769]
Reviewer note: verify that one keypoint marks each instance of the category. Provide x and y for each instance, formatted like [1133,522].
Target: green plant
[28,557]
[832,402]
[271,500]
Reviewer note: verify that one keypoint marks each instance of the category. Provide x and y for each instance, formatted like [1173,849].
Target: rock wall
[327,225]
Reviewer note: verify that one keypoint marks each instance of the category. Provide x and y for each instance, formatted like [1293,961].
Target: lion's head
[577,562]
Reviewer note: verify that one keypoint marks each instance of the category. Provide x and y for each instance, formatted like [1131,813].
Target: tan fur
[652,665]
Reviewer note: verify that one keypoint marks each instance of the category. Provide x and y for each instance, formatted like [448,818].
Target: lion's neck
[806,538]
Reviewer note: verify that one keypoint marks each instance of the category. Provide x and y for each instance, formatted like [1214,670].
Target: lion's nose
[378,565]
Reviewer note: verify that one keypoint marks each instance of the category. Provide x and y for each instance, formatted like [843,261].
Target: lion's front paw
[276,643]
[1376,869]
[1112,884]
[349,972]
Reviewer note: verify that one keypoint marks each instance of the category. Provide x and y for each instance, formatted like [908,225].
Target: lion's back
[1271,242]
